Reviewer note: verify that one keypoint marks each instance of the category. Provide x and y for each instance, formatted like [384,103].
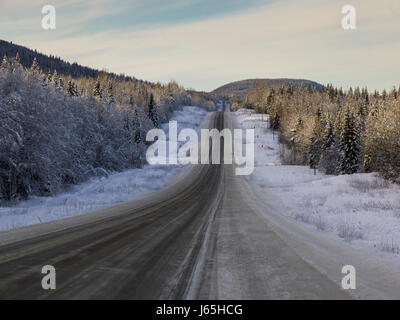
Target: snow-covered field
[101,192]
[360,210]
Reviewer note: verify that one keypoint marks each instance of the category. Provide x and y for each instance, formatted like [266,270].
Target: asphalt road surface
[197,239]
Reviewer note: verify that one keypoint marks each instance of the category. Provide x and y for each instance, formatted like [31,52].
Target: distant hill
[48,63]
[242,87]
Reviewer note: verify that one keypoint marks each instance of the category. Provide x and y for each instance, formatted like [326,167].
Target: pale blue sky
[205,43]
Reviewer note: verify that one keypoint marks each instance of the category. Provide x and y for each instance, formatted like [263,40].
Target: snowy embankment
[101,192]
[361,210]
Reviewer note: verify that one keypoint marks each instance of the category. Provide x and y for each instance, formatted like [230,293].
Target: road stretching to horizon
[196,239]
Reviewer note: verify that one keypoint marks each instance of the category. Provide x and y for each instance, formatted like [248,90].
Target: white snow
[362,210]
[101,192]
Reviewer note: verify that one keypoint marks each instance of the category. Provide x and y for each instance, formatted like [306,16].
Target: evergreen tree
[331,92]
[35,66]
[357,94]
[4,63]
[314,153]
[350,145]
[97,91]
[71,88]
[111,99]
[275,121]
[329,137]
[153,111]
[55,79]
[49,77]
[270,99]
[316,141]
[138,132]
[330,161]
[75,88]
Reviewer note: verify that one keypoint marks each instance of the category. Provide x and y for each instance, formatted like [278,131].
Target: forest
[333,130]
[59,129]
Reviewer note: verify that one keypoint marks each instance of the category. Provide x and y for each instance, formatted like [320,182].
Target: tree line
[332,130]
[56,130]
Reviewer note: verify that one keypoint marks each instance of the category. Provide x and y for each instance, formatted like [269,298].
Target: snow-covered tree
[34,66]
[111,99]
[331,159]
[51,137]
[71,89]
[4,63]
[153,115]
[97,91]
[350,145]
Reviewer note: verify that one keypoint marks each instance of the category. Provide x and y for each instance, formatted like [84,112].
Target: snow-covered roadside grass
[101,192]
[361,210]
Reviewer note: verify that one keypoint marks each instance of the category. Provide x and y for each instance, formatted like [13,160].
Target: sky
[203,44]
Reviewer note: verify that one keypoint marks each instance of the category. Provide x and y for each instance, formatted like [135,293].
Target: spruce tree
[153,111]
[70,88]
[4,63]
[330,161]
[55,79]
[49,77]
[269,101]
[97,91]
[111,99]
[316,141]
[138,132]
[314,153]
[35,66]
[350,145]
[275,121]
[329,137]
[75,88]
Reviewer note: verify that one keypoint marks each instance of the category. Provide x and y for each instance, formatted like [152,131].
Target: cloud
[23,18]
[301,39]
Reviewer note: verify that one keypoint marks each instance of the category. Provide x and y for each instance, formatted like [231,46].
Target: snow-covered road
[331,220]
[210,235]
[201,238]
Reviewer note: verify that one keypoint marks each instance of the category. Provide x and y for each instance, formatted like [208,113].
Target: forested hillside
[238,91]
[245,86]
[47,63]
[332,130]
[57,130]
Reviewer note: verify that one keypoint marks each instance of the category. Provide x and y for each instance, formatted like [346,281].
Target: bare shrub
[389,246]
[364,185]
[377,205]
[306,203]
[335,210]
[396,212]
[349,232]
[303,217]
[313,200]
[320,223]
[311,218]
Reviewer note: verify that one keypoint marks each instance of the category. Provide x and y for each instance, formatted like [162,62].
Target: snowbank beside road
[362,210]
[101,192]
